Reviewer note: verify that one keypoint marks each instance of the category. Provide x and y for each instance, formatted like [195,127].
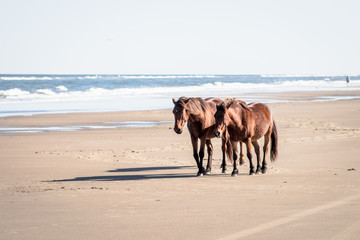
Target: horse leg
[194,143]
[210,153]
[257,151]
[241,157]
[223,148]
[249,155]
[235,171]
[266,149]
[201,157]
[235,152]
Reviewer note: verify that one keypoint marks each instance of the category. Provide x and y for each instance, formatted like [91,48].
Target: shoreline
[117,104]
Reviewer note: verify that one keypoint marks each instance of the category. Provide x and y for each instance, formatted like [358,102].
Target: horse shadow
[132,177]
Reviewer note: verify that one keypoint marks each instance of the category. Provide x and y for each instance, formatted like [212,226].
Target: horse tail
[274,143]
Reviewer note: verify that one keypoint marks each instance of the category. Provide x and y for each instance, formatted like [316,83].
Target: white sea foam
[10,78]
[296,75]
[15,92]
[164,76]
[99,91]
[45,92]
[107,125]
[88,77]
[18,102]
[61,88]
[213,84]
[317,84]
[205,90]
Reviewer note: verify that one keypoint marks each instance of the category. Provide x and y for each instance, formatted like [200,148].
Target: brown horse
[199,115]
[247,123]
[241,155]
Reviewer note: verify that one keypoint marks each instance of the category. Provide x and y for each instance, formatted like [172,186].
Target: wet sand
[140,183]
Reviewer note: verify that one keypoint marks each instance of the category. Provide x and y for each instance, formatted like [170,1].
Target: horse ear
[244,105]
[186,100]
[174,101]
[227,106]
[226,100]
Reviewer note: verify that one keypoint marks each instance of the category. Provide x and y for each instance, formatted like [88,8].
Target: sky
[180,37]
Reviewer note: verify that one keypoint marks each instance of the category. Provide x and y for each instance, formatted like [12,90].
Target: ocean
[39,94]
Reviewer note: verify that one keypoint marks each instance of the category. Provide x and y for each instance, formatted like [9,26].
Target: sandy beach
[140,182]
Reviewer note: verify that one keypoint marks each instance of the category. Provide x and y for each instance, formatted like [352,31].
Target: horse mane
[181,102]
[197,106]
[230,101]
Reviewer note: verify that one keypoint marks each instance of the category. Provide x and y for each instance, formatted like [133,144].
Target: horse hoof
[223,171]
[263,170]
[251,173]
[207,173]
[234,174]
[241,163]
[257,171]
[201,172]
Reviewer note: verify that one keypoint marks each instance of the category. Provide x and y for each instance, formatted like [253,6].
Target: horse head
[180,113]
[220,119]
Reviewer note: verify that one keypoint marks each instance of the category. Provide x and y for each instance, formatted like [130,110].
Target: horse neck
[195,111]
[202,119]
[197,118]
[238,118]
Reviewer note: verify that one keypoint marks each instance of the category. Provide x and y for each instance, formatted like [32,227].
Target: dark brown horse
[199,115]
[247,123]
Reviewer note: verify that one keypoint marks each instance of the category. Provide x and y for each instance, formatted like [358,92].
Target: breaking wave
[208,89]
[22,78]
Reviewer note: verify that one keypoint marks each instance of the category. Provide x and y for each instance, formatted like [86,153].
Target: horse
[199,115]
[247,123]
[241,155]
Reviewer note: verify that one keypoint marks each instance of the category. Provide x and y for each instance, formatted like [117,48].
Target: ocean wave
[17,78]
[61,88]
[208,89]
[299,75]
[88,77]
[164,76]
[312,83]
[15,92]
[45,92]
[102,77]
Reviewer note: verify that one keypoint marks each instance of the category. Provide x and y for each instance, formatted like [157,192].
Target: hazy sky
[180,37]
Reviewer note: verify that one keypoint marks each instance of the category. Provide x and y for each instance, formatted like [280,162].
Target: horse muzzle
[178,130]
[217,133]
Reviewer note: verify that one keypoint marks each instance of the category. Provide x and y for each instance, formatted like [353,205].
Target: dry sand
[139,183]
